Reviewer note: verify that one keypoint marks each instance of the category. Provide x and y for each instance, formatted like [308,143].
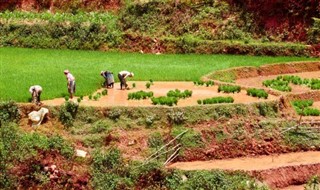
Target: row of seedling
[281,83]
[139,95]
[302,107]
[259,93]
[216,100]
[201,83]
[229,88]
[179,94]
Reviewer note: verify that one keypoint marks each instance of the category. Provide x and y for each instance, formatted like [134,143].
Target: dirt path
[117,97]
[253,163]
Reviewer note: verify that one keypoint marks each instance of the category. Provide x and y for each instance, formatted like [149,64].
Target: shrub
[302,107]
[99,127]
[148,84]
[114,114]
[177,117]
[218,100]
[155,140]
[67,113]
[9,112]
[314,182]
[229,88]
[260,93]
[190,139]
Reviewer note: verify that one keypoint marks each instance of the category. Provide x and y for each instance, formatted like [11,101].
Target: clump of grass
[178,94]
[104,92]
[140,95]
[302,107]
[66,98]
[260,93]
[216,100]
[164,100]
[229,88]
[134,85]
[148,84]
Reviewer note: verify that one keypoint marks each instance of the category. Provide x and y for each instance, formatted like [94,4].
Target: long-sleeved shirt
[70,77]
[125,74]
[37,88]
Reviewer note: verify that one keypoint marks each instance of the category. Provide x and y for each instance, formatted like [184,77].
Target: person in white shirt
[36,91]
[71,84]
[122,75]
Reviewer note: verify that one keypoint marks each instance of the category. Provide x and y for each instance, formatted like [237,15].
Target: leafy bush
[9,112]
[68,112]
[217,100]
[176,117]
[155,140]
[190,139]
[99,127]
[229,88]
[260,93]
[140,95]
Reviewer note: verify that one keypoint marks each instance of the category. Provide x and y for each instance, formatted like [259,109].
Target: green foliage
[9,112]
[155,140]
[268,109]
[301,139]
[178,94]
[176,117]
[100,126]
[67,113]
[302,107]
[217,100]
[56,142]
[114,114]
[164,100]
[314,31]
[278,85]
[148,84]
[313,183]
[191,139]
[260,93]
[139,95]
[229,88]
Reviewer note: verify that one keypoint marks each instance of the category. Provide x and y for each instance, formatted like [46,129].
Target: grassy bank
[21,68]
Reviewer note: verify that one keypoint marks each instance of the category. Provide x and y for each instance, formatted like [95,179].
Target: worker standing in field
[71,83]
[36,91]
[109,80]
[122,75]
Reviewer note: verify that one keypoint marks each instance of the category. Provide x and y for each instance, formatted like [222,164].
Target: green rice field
[21,68]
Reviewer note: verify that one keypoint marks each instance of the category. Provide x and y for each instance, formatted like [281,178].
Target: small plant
[66,98]
[229,89]
[140,95]
[302,107]
[134,85]
[260,93]
[217,100]
[151,81]
[104,92]
[148,84]
[176,117]
[164,100]
[78,100]
[178,94]
[81,97]
[199,102]
[209,83]
[68,113]
[90,97]
[96,97]
[198,83]
[114,114]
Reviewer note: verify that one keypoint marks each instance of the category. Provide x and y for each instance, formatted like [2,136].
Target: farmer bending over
[109,80]
[35,93]
[71,83]
[122,75]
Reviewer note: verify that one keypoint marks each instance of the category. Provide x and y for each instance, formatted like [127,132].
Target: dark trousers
[122,80]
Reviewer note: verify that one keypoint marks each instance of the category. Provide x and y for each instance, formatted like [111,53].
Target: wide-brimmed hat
[66,71]
[101,72]
[131,74]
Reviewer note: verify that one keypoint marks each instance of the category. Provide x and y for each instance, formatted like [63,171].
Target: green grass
[21,68]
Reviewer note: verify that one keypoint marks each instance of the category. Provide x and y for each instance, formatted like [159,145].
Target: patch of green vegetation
[260,93]
[178,94]
[229,88]
[191,139]
[302,107]
[139,95]
[301,139]
[164,100]
[216,100]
